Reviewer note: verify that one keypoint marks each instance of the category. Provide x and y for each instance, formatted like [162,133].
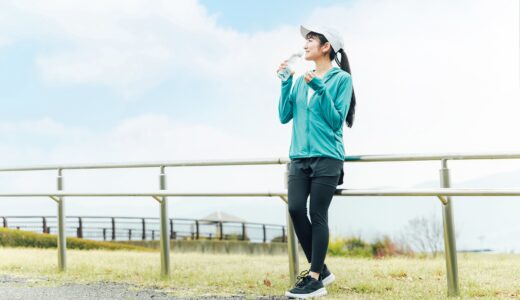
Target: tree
[424,234]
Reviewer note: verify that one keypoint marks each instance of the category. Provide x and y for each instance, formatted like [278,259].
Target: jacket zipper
[307,129]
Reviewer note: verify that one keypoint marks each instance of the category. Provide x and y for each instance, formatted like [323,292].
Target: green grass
[481,275]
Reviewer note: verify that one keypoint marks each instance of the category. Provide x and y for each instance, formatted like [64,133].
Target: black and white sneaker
[326,276]
[307,287]
[301,279]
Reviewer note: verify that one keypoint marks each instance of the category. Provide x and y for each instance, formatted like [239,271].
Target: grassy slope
[481,275]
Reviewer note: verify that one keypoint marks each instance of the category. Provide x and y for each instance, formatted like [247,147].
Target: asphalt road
[21,288]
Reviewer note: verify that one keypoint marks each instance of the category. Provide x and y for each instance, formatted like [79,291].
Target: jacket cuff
[316,84]
[288,81]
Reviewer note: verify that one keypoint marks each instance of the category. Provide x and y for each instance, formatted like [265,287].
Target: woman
[318,103]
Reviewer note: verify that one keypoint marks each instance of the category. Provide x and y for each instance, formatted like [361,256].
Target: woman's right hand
[282,66]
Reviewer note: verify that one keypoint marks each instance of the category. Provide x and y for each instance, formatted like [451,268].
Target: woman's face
[312,48]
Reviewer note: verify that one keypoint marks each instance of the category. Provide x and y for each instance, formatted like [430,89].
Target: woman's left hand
[309,76]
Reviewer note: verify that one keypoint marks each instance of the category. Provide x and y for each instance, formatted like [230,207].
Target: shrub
[278,239]
[349,247]
[355,247]
[21,238]
[235,237]
[384,247]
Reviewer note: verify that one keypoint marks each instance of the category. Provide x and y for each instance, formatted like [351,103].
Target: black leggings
[319,177]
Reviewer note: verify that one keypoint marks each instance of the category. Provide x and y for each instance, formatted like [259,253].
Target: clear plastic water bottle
[285,73]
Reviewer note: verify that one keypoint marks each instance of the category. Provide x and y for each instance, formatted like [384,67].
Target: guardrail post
[5,222]
[197,230]
[264,233]
[62,240]
[292,242]
[172,234]
[450,248]
[165,241]
[143,236]
[44,224]
[113,229]
[80,228]
[243,231]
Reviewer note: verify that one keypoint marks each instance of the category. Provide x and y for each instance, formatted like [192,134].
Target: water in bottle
[285,73]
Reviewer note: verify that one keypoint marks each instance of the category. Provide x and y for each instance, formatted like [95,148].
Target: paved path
[19,288]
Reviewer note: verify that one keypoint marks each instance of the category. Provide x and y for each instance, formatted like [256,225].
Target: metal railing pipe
[265,161]
[430,157]
[198,163]
[278,193]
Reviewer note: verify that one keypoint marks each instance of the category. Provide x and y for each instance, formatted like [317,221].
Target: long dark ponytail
[345,66]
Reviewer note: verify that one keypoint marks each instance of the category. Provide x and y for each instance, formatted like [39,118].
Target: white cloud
[136,45]
[45,126]
[137,138]
[4,41]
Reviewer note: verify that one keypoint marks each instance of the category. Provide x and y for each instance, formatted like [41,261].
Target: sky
[127,81]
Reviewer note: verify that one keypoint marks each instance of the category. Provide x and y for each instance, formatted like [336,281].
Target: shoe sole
[317,293]
[329,279]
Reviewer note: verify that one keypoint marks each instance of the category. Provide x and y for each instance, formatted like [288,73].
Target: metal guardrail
[139,228]
[444,194]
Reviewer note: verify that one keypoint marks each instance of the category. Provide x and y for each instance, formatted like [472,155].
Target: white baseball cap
[331,34]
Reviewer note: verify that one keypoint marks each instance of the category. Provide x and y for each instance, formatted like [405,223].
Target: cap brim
[304,31]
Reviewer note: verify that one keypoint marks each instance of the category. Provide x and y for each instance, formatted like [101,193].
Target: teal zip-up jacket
[318,126]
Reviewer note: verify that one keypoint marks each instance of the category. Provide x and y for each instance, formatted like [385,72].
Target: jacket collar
[330,73]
